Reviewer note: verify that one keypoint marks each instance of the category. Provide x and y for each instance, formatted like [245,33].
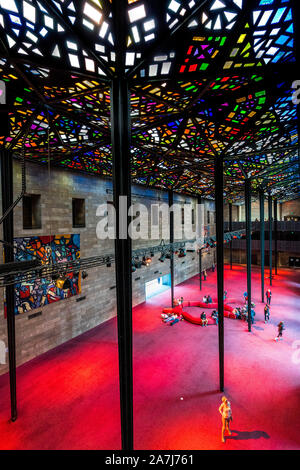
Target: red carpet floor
[68,398]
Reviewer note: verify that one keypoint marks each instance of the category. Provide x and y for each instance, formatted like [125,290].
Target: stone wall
[64,320]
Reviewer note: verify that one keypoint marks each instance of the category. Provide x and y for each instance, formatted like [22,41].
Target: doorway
[157,286]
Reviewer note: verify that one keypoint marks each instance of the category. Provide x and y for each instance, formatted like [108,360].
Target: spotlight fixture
[84,274]
[162,257]
[182,253]
[146,261]
[108,262]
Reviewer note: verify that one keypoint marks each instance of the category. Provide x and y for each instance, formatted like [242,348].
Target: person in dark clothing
[209,299]
[204,320]
[215,316]
[269,296]
[267,313]
[280,327]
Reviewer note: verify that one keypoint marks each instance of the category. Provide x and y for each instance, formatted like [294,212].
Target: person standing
[204,275]
[225,294]
[269,296]
[246,297]
[280,327]
[225,410]
[267,313]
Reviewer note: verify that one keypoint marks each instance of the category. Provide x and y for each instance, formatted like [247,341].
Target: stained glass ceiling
[208,79]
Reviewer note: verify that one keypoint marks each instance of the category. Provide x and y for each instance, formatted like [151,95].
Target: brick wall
[67,319]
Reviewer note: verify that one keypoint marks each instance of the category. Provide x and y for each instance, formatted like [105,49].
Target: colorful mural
[34,294]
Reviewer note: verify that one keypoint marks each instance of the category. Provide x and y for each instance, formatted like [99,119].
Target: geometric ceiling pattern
[208,79]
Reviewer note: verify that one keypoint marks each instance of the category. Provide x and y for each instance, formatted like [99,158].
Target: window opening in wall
[78,212]
[32,211]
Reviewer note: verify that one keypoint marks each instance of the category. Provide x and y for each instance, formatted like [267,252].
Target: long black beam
[219,205]
[248,248]
[8,235]
[171,225]
[200,249]
[121,142]
[270,238]
[230,230]
[262,242]
[276,234]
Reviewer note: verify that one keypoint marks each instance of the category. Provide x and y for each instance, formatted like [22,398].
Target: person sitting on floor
[209,300]
[204,320]
[205,299]
[176,320]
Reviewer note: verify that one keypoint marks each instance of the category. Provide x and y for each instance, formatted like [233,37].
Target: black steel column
[276,234]
[8,236]
[262,243]
[121,136]
[200,249]
[270,238]
[230,230]
[248,245]
[170,193]
[219,202]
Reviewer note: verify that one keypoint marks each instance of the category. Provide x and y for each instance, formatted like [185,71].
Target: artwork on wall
[34,294]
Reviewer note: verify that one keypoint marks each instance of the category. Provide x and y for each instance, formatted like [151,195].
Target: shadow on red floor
[69,398]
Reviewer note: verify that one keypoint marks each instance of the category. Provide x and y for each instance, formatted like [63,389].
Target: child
[267,313]
[280,330]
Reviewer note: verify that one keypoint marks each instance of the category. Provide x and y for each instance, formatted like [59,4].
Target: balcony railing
[282,226]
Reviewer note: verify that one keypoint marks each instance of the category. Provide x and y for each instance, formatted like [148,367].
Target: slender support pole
[121,141]
[200,251]
[262,243]
[248,246]
[270,238]
[276,234]
[219,202]
[8,236]
[170,194]
[230,230]
[120,115]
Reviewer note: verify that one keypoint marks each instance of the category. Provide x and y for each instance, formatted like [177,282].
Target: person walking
[267,313]
[280,327]
[204,275]
[225,410]
[269,296]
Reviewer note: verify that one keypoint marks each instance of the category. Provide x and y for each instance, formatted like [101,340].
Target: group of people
[207,299]
[171,318]
[242,313]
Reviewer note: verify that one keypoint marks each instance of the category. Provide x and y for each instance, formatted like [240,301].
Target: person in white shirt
[225,410]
